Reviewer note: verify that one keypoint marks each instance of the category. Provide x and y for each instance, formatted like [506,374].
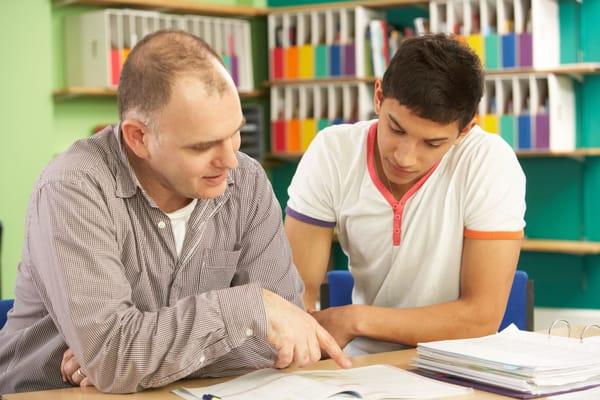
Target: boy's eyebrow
[212,142]
[437,139]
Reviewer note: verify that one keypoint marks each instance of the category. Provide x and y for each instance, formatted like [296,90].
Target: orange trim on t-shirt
[499,235]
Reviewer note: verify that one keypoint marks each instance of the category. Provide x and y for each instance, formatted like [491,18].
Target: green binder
[507,129]
[492,52]
[322,61]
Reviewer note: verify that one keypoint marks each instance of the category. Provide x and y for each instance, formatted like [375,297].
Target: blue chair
[337,291]
[5,307]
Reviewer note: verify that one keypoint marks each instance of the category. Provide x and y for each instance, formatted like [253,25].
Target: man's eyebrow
[213,142]
[437,139]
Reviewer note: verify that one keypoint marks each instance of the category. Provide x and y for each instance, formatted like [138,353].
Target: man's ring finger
[78,372]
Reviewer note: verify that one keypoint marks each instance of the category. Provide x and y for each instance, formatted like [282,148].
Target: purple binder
[235,74]
[525,50]
[490,388]
[349,60]
[542,131]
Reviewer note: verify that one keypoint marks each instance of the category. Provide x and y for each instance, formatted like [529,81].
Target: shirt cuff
[243,312]
[309,220]
[493,235]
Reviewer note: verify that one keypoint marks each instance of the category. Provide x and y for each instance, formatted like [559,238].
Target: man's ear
[463,133]
[135,136]
[377,96]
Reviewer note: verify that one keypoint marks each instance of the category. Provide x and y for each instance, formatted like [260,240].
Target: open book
[373,382]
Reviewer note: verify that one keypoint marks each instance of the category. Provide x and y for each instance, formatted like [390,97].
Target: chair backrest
[339,284]
[519,310]
[5,307]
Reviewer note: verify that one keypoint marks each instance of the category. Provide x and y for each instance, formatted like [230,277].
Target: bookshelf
[576,70]
[561,246]
[577,154]
[99,92]
[376,4]
[177,6]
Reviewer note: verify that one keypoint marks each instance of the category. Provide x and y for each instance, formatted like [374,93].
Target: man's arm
[75,263]
[487,272]
[266,258]
[311,248]
[74,250]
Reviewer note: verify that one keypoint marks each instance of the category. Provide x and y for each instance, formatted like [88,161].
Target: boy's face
[409,146]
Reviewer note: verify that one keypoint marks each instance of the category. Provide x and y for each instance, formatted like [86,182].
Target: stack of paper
[515,361]
[374,382]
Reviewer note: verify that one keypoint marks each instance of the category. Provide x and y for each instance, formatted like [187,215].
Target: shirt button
[202,359]
[249,332]
[162,224]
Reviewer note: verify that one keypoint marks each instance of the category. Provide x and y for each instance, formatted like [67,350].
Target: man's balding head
[155,64]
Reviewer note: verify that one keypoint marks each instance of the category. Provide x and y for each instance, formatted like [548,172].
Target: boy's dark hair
[437,78]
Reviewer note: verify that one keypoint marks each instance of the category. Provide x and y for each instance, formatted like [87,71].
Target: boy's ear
[465,130]
[377,96]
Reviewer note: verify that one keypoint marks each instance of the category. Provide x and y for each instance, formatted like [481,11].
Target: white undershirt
[179,220]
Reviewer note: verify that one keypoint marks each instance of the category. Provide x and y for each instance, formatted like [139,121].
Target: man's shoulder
[88,158]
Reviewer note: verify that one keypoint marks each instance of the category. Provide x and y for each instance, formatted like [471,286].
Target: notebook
[371,383]
[514,363]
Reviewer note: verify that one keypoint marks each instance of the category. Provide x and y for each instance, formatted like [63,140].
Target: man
[154,250]
[427,206]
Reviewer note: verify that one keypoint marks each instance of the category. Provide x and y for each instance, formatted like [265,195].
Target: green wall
[35,127]
[27,122]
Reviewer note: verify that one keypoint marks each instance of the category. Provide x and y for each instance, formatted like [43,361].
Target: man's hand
[338,321]
[297,336]
[71,371]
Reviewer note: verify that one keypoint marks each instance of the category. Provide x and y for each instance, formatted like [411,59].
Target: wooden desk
[399,359]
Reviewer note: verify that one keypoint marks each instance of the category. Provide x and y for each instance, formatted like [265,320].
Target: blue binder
[335,60]
[524,131]
[509,51]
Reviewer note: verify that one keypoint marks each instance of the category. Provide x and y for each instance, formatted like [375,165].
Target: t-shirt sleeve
[495,196]
[312,193]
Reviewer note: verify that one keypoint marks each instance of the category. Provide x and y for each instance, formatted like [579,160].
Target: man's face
[409,146]
[199,135]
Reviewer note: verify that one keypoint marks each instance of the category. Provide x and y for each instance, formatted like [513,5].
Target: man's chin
[211,192]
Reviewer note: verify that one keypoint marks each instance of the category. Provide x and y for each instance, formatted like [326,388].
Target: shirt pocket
[218,268]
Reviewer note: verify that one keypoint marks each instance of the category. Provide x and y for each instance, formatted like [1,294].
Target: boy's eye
[434,145]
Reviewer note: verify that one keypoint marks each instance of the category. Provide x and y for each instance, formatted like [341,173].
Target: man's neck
[165,199]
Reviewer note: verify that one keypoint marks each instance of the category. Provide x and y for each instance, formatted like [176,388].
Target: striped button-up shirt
[100,274]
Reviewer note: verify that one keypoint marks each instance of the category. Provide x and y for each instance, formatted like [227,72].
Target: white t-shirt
[407,253]
[179,220]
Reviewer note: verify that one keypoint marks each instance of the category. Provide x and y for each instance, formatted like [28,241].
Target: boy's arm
[311,247]
[487,272]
